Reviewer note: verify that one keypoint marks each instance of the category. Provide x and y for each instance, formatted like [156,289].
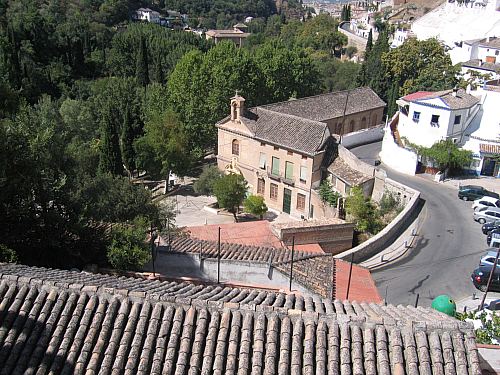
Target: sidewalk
[472,302]
[399,247]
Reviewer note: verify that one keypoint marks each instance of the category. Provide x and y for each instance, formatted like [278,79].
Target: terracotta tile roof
[254,233]
[461,100]
[353,177]
[417,95]
[291,132]
[331,105]
[488,148]
[478,64]
[54,327]
[492,42]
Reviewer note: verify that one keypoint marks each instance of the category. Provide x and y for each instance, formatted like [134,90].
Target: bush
[363,211]
[388,203]
[255,205]
[205,183]
[129,249]
[327,195]
[7,254]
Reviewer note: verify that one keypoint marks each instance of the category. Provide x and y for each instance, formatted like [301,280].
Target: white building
[482,136]
[425,118]
[484,49]
[400,36]
[146,14]
[454,22]
[428,117]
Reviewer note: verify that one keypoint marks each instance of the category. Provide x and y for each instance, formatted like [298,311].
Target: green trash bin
[444,304]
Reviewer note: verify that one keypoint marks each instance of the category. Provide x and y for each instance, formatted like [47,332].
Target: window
[289,170]
[496,52]
[262,161]
[458,118]
[261,186]
[435,120]
[347,189]
[276,148]
[301,202]
[262,144]
[275,166]
[352,124]
[303,173]
[363,123]
[416,116]
[289,153]
[236,147]
[273,193]
[304,157]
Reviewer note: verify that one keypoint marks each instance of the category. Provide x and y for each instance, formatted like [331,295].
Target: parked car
[480,278]
[473,192]
[487,214]
[490,235]
[486,202]
[489,258]
[488,227]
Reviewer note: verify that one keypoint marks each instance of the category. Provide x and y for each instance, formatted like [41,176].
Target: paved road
[444,254]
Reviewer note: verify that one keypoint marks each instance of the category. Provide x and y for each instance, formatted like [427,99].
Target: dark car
[488,227]
[490,234]
[480,278]
[473,192]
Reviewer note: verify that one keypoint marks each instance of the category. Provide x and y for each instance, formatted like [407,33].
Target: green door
[287,200]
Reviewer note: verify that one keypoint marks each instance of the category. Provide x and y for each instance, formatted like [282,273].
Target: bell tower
[237,106]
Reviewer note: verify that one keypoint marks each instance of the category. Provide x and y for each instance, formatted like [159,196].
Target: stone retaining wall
[381,240]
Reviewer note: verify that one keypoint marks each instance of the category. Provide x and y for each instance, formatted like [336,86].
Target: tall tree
[141,65]
[375,72]
[164,147]
[110,160]
[127,142]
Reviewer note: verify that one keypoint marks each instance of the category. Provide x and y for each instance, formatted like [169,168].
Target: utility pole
[218,259]
[343,117]
[350,273]
[489,279]
[291,262]
[152,249]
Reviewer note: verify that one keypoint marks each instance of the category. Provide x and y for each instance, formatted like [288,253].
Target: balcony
[279,177]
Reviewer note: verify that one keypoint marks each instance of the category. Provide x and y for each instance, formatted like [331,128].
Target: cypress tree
[375,71]
[128,152]
[158,69]
[110,160]
[392,97]
[141,67]
[369,44]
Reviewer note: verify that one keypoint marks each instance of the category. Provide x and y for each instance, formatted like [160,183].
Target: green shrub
[327,195]
[255,205]
[128,249]
[7,254]
[205,183]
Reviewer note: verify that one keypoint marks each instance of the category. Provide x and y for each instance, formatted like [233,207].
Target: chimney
[487,39]
[455,90]
[468,89]
[237,106]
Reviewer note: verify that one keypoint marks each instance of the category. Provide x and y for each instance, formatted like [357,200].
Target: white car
[486,202]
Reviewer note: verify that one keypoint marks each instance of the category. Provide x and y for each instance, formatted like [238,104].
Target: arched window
[363,123]
[236,147]
[352,124]
[374,119]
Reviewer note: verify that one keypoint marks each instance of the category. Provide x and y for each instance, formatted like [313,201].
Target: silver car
[487,214]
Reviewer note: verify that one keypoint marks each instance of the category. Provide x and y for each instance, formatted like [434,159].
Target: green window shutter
[275,168]
[289,170]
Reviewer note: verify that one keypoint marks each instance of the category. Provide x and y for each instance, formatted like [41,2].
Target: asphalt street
[447,249]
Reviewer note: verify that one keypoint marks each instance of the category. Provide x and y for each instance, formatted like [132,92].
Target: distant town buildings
[237,35]
[148,15]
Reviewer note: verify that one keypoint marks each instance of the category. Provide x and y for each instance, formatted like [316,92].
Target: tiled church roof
[47,327]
